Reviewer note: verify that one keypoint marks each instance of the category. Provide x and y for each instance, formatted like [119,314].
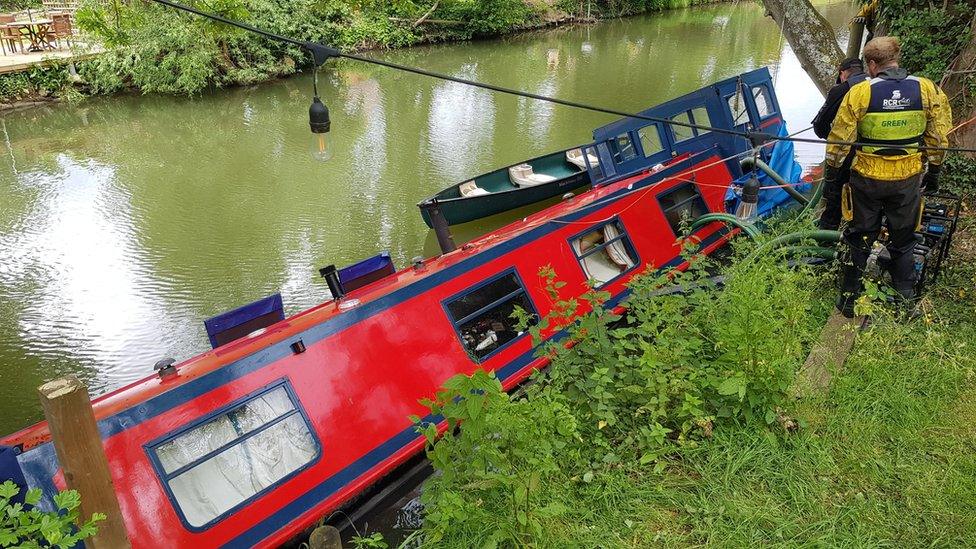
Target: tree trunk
[957,84]
[811,37]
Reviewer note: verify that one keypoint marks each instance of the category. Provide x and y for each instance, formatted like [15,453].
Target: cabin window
[699,116]
[763,103]
[737,106]
[604,253]
[483,316]
[682,133]
[623,148]
[232,457]
[682,204]
[650,140]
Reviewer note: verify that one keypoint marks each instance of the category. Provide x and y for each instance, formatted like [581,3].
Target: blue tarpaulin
[782,161]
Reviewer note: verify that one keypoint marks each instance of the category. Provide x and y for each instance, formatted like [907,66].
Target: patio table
[37,30]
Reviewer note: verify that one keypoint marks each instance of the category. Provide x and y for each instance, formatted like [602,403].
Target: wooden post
[78,444]
[325,537]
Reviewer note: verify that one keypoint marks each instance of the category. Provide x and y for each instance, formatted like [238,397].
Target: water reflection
[126,221]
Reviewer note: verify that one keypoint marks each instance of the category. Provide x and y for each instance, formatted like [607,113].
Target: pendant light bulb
[749,201]
[320,124]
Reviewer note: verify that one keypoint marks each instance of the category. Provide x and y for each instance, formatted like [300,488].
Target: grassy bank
[679,430]
[154,49]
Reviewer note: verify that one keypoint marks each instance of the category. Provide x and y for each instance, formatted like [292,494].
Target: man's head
[849,67]
[881,53]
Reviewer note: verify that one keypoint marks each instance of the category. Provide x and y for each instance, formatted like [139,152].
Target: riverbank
[599,454]
[153,49]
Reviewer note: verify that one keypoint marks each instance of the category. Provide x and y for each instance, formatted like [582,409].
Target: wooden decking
[15,62]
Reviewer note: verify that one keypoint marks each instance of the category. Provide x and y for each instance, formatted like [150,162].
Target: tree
[959,84]
[811,37]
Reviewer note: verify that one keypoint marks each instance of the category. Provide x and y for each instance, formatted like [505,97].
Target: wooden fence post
[78,444]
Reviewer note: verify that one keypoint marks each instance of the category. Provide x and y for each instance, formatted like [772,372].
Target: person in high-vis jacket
[850,72]
[889,115]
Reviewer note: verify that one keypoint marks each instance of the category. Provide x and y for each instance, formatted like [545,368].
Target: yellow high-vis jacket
[885,113]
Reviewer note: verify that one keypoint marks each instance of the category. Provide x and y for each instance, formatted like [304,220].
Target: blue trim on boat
[331,485]
[152,446]
[184,393]
[456,323]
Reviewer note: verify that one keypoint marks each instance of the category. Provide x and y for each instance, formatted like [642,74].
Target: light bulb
[321,149]
[749,201]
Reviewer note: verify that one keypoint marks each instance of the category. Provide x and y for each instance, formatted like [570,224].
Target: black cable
[320,53]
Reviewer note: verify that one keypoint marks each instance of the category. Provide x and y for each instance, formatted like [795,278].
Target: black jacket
[825,118]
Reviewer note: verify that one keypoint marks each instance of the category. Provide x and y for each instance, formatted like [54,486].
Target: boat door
[749,104]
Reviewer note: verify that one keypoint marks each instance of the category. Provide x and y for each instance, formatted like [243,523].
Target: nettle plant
[632,391]
[24,526]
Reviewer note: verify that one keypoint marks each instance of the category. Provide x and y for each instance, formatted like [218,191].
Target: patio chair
[9,37]
[60,28]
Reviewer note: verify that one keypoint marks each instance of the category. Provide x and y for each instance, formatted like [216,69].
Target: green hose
[808,251]
[818,235]
[748,164]
[728,219]
[814,198]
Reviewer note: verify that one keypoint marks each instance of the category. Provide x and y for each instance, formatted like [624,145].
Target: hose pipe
[808,251]
[820,236]
[749,164]
[748,228]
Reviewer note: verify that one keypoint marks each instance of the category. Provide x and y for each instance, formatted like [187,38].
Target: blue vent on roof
[232,325]
[368,270]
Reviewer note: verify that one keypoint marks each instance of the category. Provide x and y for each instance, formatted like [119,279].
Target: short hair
[882,50]
[851,63]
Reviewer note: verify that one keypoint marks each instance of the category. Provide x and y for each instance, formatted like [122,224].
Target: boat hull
[464,209]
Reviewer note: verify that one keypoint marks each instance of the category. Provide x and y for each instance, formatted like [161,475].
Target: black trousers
[898,203]
[830,218]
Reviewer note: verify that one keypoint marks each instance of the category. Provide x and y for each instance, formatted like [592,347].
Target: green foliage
[630,393]
[17,5]
[372,541]
[882,459]
[25,526]
[931,34]
[156,49]
[38,81]
[959,175]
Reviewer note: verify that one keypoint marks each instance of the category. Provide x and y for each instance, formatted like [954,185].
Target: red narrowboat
[287,419]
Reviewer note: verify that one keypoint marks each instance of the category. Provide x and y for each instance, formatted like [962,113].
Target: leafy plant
[25,526]
[631,392]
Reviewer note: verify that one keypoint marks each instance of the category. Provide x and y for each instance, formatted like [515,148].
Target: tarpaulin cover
[783,162]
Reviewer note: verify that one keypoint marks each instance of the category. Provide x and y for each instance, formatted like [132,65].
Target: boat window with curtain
[483,315]
[682,204]
[605,252]
[229,459]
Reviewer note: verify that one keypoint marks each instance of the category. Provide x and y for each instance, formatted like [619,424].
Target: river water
[126,221]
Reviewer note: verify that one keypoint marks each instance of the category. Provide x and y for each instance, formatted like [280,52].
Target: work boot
[850,289]
[906,306]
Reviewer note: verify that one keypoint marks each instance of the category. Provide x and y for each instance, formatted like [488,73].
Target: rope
[321,53]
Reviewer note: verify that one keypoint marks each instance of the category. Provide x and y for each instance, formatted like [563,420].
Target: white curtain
[616,250]
[212,487]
